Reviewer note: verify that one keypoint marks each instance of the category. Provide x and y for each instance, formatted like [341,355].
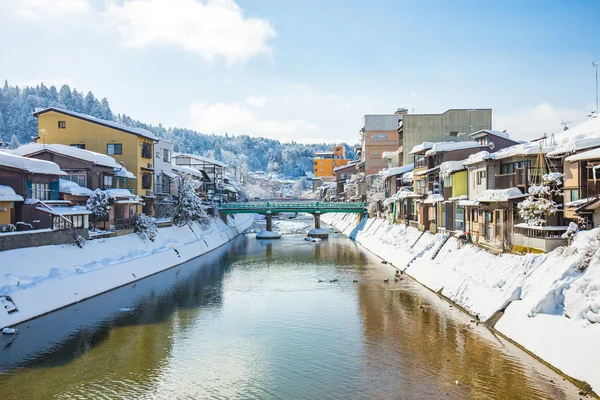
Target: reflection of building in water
[407,335]
[120,349]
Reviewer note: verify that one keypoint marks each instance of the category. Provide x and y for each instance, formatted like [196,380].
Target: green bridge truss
[277,207]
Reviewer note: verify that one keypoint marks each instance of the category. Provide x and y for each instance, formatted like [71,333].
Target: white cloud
[38,9]
[256,101]
[210,28]
[237,118]
[532,122]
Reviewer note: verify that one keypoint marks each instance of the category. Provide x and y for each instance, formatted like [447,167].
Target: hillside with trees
[18,126]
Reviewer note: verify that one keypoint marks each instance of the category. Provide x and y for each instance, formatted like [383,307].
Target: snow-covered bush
[571,231]
[79,241]
[536,208]
[189,206]
[145,227]
[99,204]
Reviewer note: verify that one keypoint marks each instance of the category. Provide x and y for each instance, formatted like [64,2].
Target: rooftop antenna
[595,66]
[565,125]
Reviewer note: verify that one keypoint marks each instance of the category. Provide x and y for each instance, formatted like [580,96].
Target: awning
[427,171]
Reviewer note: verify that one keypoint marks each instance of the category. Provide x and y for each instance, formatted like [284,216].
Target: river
[252,321]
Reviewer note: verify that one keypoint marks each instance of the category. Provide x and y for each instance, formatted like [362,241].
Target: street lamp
[595,66]
[43,132]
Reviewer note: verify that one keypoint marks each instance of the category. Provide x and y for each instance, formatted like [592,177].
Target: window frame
[148,177]
[114,148]
[62,124]
[146,150]
[80,146]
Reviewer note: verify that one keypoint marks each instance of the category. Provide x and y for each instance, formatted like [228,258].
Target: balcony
[505,181]
[160,188]
[42,194]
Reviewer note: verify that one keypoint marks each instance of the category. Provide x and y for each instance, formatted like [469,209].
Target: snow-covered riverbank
[551,301]
[42,279]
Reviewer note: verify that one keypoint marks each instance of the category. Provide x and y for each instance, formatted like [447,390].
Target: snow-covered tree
[189,205]
[99,204]
[375,194]
[14,143]
[299,187]
[146,227]
[536,208]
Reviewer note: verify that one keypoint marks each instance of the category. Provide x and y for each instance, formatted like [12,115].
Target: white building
[163,171]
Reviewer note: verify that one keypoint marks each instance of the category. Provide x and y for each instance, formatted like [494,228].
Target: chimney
[401,111]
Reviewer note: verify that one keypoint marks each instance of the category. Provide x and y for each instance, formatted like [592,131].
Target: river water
[252,321]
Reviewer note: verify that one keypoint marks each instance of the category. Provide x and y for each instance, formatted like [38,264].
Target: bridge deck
[277,207]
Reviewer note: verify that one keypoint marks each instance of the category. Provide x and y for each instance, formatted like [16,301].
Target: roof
[30,165]
[442,147]
[73,152]
[408,176]
[502,134]
[109,124]
[421,148]
[524,149]
[586,155]
[448,167]
[351,164]
[198,173]
[323,152]
[8,194]
[396,170]
[200,158]
[118,193]
[123,173]
[390,154]
[478,157]
[427,171]
[583,136]
[496,195]
[433,198]
[65,210]
[72,188]
[591,204]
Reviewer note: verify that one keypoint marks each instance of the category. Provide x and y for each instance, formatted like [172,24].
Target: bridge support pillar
[317,232]
[268,232]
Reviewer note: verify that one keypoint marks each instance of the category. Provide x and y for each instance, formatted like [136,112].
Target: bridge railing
[291,205]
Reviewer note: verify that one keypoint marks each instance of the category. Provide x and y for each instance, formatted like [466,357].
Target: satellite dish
[492,145]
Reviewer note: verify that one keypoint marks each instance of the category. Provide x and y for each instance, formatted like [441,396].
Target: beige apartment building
[452,125]
[379,134]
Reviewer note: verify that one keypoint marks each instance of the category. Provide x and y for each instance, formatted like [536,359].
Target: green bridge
[270,208]
[278,207]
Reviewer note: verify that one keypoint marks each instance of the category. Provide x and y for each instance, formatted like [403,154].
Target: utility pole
[595,66]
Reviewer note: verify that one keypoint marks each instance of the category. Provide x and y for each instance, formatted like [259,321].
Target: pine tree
[88,103]
[77,103]
[64,96]
[105,109]
[14,143]
[5,88]
[99,205]
[189,206]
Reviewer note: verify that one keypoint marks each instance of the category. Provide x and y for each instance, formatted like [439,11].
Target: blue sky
[308,70]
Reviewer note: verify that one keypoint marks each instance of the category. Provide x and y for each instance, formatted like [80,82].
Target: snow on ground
[41,279]
[551,301]
[297,225]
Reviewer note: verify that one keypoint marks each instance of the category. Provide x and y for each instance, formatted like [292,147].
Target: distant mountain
[17,125]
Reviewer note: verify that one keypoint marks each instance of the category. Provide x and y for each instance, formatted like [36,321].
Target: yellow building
[326,161]
[132,147]
[8,197]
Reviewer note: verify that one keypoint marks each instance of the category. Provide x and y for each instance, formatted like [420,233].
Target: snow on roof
[118,193]
[586,155]
[433,198]
[427,171]
[73,188]
[492,195]
[200,158]
[421,148]
[524,149]
[448,167]
[123,173]
[408,176]
[65,210]
[501,134]
[81,154]
[402,194]
[351,164]
[396,170]
[389,154]
[583,136]
[110,124]
[318,153]
[442,147]
[197,173]
[229,188]
[477,158]
[8,194]
[30,165]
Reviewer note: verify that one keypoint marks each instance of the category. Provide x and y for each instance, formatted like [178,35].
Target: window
[489,216]
[453,134]
[374,153]
[460,218]
[166,155]
[40,191]
[480,177]
[574,194]
[443,219]
[146,150]
[78,146]
[114,148]
[475,215]
[379,136]
[483,140]
[78,178]
[108,182]
[146,181]
[62,124]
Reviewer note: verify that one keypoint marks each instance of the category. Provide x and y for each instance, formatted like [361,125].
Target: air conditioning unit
[149,165]
[149,193]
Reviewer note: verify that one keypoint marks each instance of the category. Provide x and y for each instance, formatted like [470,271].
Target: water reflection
[251,320]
